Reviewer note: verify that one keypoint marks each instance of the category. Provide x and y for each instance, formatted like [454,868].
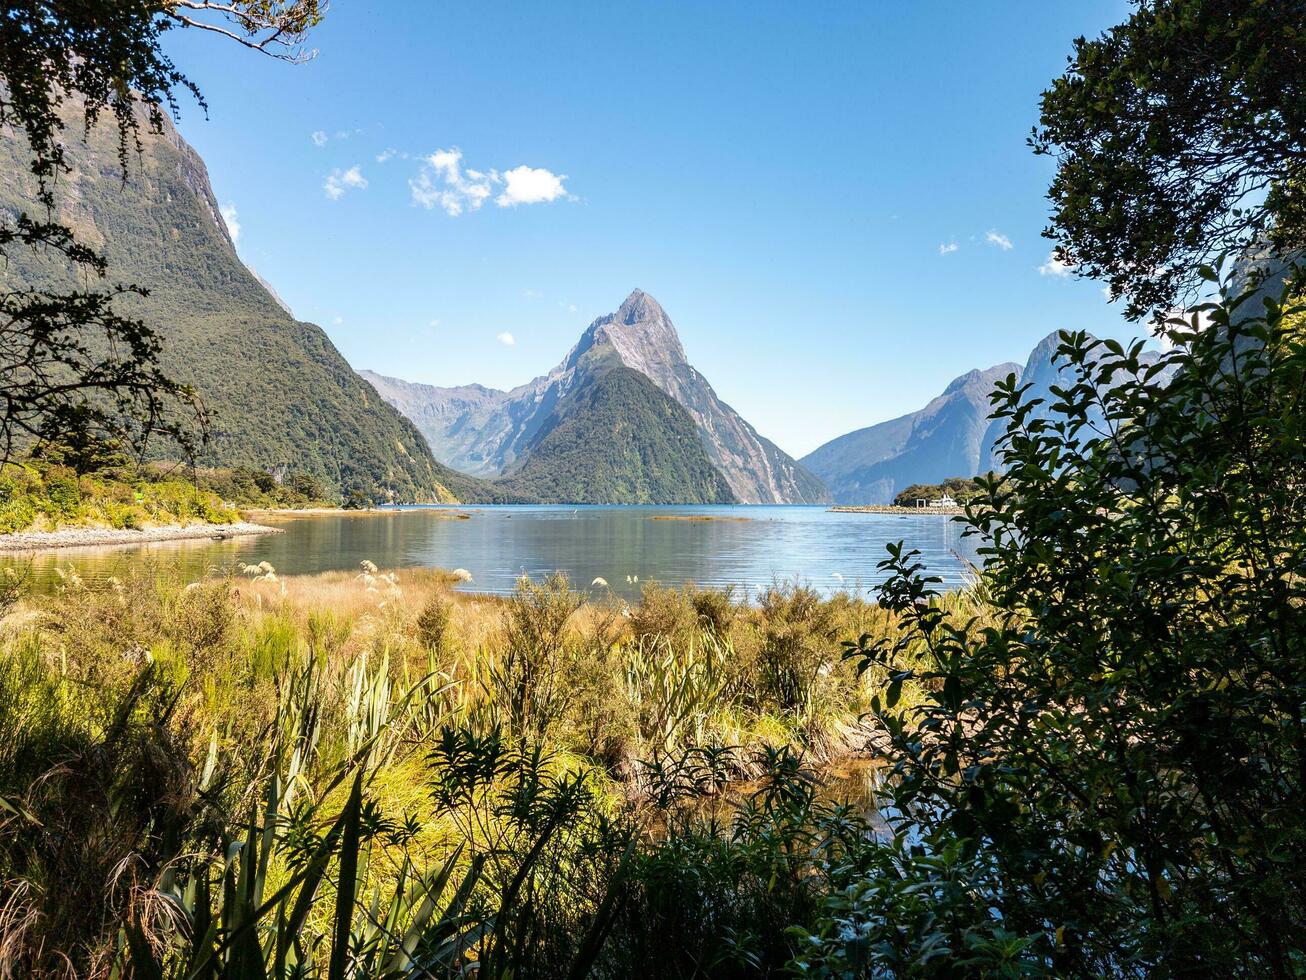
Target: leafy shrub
[16,514]
[531,679]
[63,494]
[1118,756]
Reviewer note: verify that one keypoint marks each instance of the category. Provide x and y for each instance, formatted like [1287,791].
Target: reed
[372,774]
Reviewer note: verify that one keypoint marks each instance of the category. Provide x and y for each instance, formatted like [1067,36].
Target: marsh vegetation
[250,773]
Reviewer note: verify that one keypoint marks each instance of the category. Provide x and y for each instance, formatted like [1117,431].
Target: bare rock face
[488,433]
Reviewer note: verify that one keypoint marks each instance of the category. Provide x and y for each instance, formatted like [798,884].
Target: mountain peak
[639,306]
[969,378]
[642,335]
[982,380]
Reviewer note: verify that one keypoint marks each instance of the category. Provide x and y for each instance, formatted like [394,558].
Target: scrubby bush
[662,611]
[798,642]
[533,738]
[531,680]
[433,623]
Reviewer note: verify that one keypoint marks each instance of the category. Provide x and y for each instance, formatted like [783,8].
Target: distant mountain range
[624,418]
[513,436]
[951,436]
[942,439]
[279,395]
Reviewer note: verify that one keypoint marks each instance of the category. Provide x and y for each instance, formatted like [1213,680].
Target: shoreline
[892,509]
[443,511]
[78,537]
[291,511]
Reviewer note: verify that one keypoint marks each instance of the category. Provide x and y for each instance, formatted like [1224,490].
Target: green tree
[72,368]
[1108,772]
[1179,135]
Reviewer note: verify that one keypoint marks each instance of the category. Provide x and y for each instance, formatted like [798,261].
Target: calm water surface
[745,547]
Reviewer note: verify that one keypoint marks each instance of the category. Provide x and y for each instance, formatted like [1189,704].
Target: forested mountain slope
[279,395]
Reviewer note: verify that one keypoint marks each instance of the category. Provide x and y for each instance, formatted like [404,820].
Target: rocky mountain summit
[490,433]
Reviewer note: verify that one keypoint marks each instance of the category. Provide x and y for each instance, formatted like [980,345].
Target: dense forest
[275,392]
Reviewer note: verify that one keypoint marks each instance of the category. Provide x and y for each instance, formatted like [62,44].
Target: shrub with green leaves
[39,495]
[1116,761]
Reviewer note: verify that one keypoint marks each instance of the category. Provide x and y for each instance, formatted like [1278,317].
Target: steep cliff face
[944,439]
[488,432]
[279,394]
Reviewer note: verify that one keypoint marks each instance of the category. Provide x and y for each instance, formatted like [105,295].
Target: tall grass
[370,774]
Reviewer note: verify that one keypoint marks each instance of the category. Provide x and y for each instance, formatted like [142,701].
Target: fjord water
[745,547]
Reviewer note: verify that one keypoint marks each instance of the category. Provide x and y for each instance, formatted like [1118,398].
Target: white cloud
[337,320]
[506,339]
[445,182]
[390,153]
[947,248]
[442,181]
[532,294]
[999,239]
[319,138]
[435,323]
[531,185]
[340,181]
[1055,267]
[232,220]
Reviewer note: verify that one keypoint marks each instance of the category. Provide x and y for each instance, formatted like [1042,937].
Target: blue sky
[834,203]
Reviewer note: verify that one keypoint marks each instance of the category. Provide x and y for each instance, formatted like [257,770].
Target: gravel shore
[75,537]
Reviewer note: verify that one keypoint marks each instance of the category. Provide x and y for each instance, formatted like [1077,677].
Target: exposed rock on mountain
[490,433]
[279,394]
[941,440]
[615,438]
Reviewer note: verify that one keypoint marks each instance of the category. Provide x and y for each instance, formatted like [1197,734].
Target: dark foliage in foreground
[1111,780]
[1179,135]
